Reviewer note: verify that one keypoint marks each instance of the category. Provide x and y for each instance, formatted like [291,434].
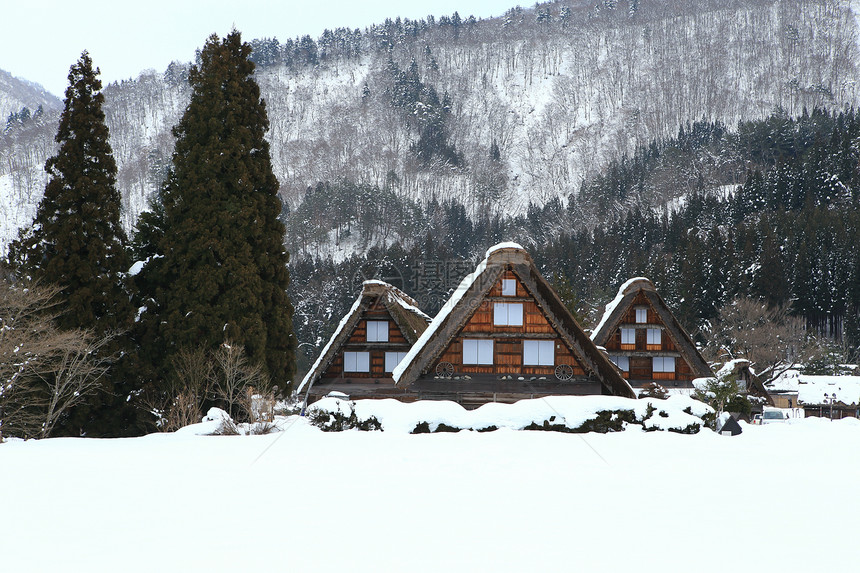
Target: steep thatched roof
[472,291]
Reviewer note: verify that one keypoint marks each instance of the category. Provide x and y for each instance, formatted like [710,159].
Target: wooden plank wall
[357,341]
[641,366]
[508,348]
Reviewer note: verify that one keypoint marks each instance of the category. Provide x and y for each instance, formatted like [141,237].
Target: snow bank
[677,413]
[211,424]
[502,501]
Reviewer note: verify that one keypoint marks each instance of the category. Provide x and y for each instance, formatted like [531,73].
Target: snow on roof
[331,340]
[788,381]
[819,389]
[504,245]
[610,308]
[811,389]
[443,313]
[731,367]
[394,297]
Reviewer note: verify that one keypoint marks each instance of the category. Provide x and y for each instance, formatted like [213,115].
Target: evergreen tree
[77,241]
[222,270]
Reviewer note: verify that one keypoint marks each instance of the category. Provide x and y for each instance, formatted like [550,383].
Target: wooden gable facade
[370,341]
[504,336]
[646,342]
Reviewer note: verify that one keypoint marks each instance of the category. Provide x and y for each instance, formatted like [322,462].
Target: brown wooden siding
[641,300]
[357,342]
[496,290]
[641,367]
[508,340]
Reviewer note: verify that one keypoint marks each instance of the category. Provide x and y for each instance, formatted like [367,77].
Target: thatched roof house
[505,335]
[645,340]
[369,342]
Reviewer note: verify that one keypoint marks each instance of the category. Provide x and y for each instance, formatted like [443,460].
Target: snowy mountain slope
[561,89]
[17,93]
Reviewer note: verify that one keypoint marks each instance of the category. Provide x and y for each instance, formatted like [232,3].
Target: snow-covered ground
[780,497]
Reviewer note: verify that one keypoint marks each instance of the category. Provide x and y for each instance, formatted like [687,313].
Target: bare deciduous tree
[44,371]
[768,336]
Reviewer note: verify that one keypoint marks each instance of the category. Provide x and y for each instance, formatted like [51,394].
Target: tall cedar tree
[222,270]
[77,241]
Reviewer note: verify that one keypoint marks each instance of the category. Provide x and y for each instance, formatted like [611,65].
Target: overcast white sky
[40,40]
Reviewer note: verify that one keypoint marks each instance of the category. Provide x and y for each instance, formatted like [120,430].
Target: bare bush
[225,376]
[234,374]
[191,383]
[260,407]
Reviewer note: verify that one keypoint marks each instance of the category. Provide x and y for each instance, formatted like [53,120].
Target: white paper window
[477,351]
[628,336]
[538,353]
[641,315]
[508,314]
[623,362]
[655,336]
[664,364]
[356,361]
[509,287]
[392,359]
[377,331]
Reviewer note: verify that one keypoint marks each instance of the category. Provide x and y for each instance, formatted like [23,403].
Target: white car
[773,417]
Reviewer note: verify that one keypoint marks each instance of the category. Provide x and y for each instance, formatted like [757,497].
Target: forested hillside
[786,234]
[19,99]
[711,145]
[496,113]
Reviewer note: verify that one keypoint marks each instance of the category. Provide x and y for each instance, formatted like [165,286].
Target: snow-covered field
[776,498]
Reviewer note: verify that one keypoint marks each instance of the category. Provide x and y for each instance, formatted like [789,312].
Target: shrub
[424,428]
[339,421]
[654,390]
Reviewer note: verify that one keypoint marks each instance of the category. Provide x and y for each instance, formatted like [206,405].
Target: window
[538,353]
[623,362]
[377,331]
[664,364]
[356,361]
[628,336]
[508,314]
[655,336]
[509,287]
[392,359]
[642,315]
[477,351]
